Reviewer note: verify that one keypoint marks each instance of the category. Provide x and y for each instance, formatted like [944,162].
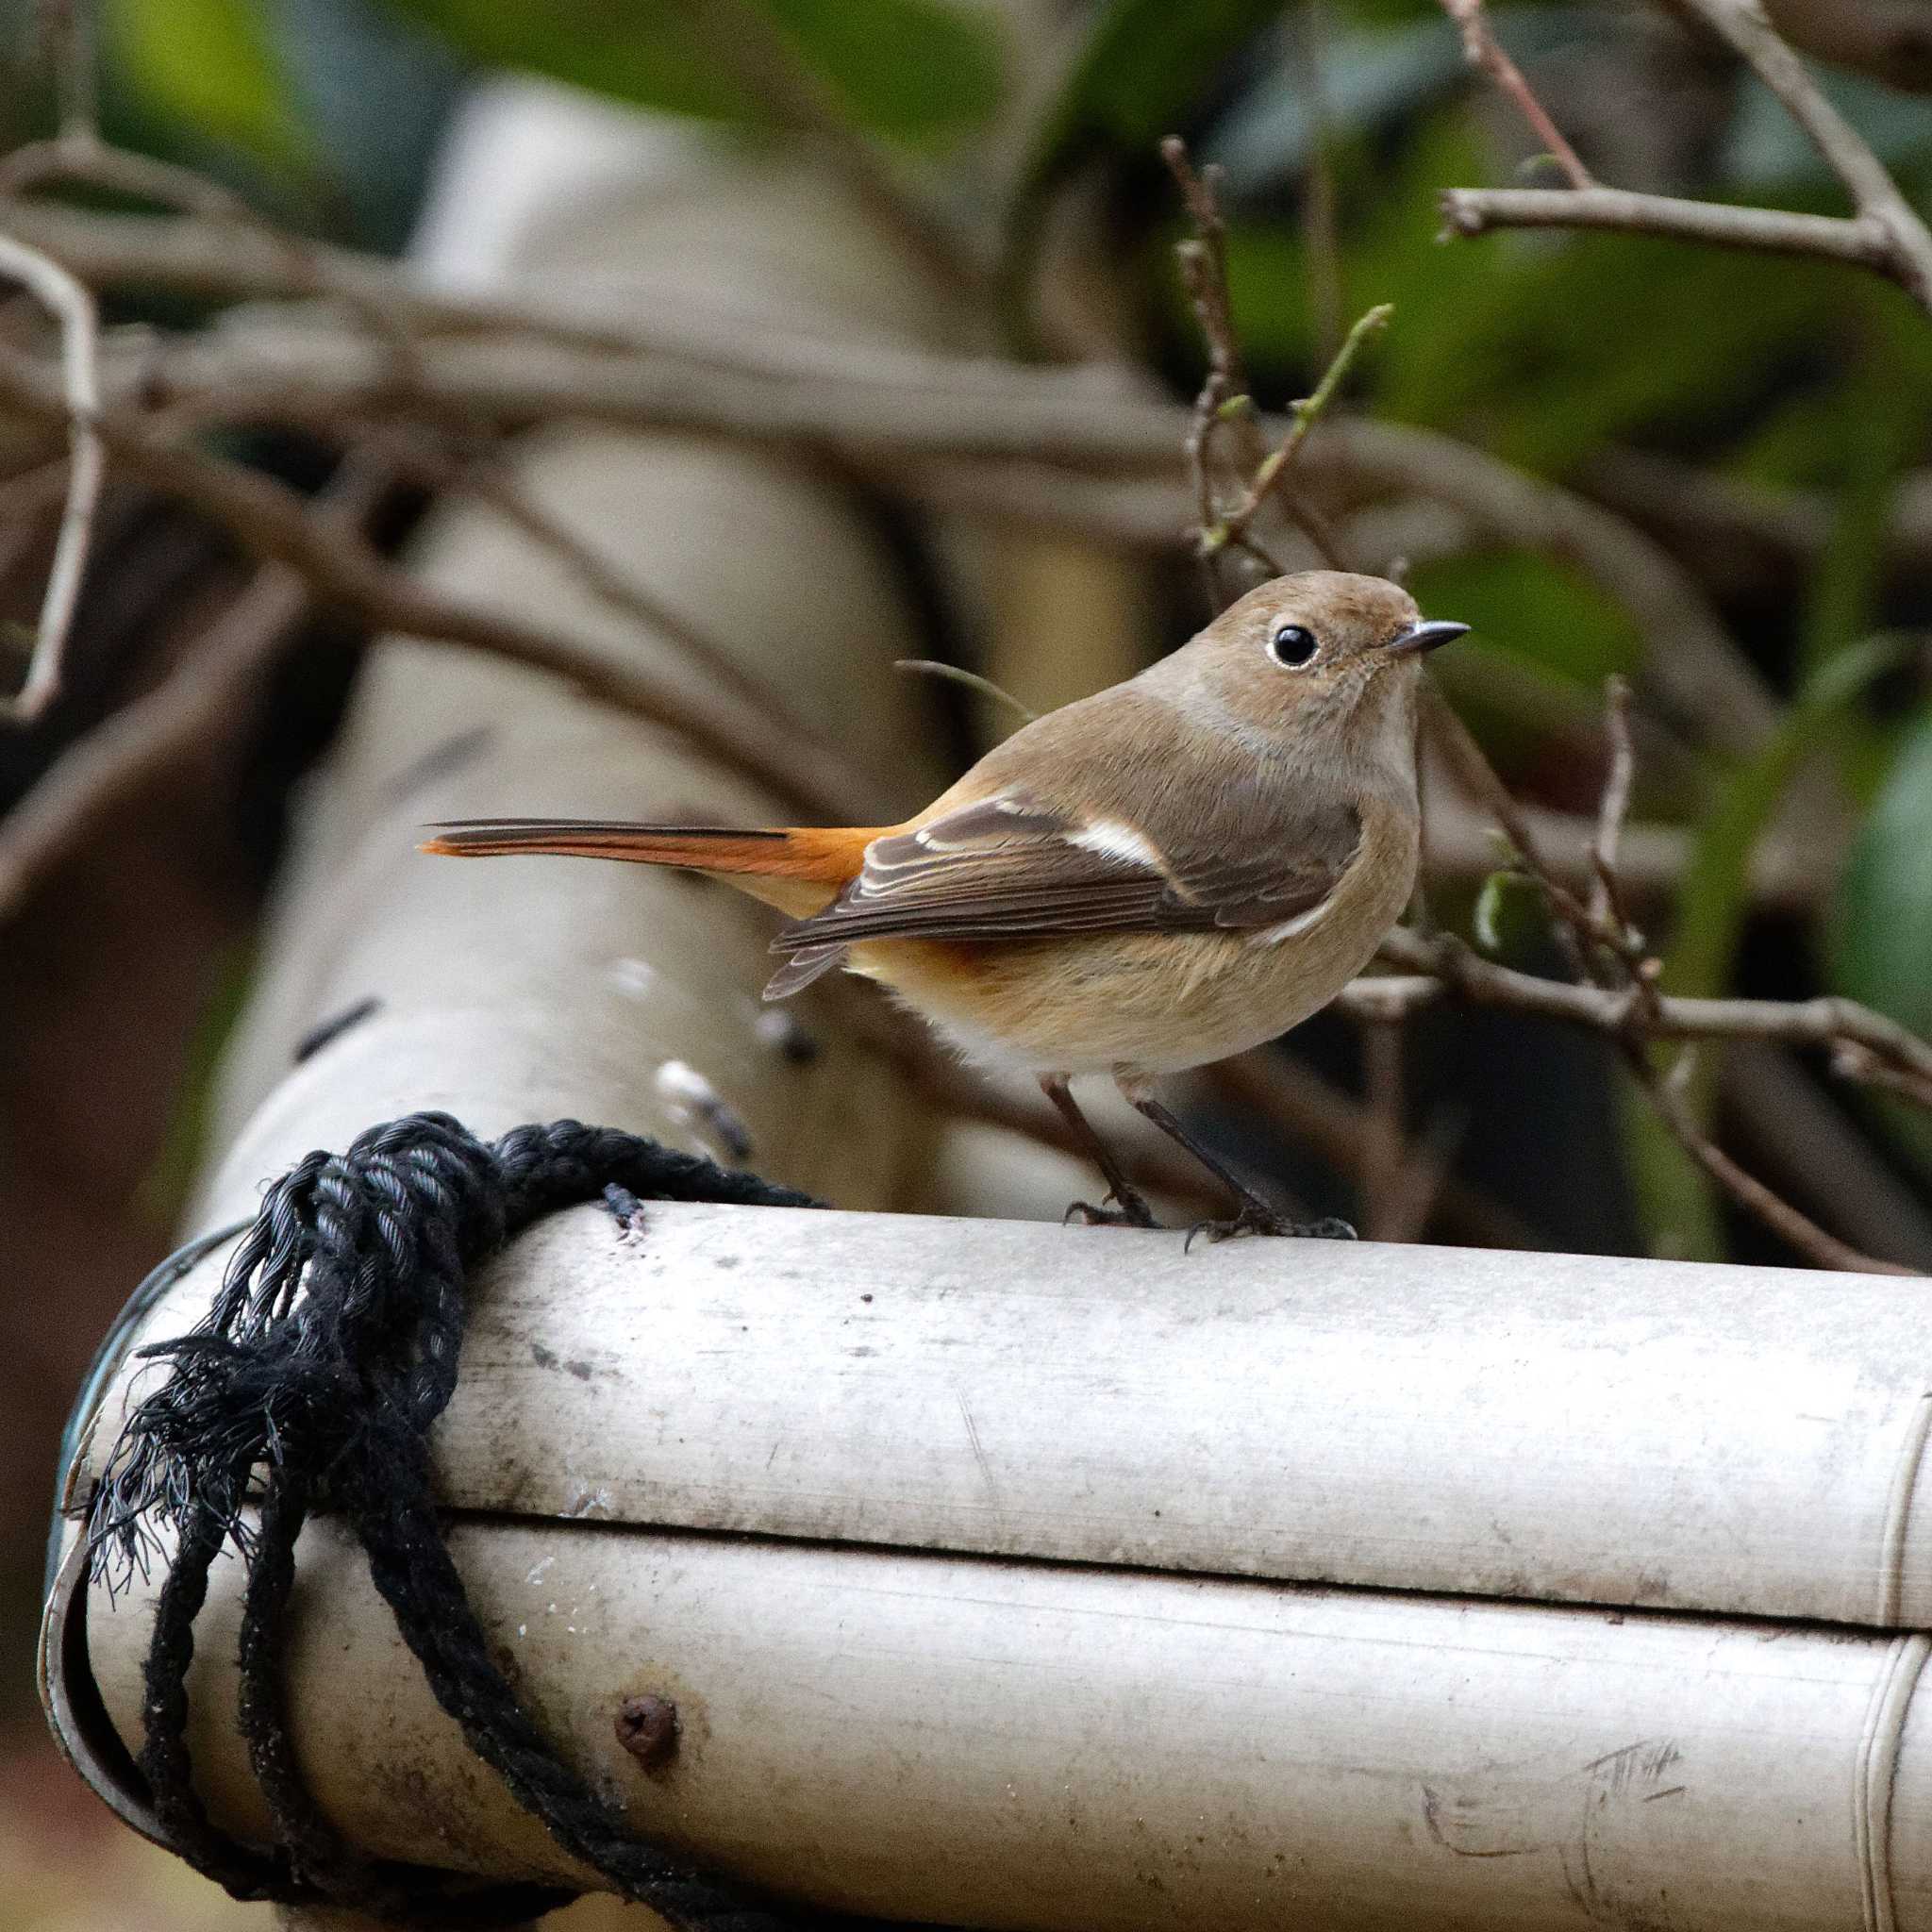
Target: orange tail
[797,869]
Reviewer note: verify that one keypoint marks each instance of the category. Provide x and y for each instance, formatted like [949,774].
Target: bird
[1171,870]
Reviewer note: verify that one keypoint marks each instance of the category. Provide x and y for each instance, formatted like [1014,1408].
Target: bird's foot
[1256,1217]
[1128,1211]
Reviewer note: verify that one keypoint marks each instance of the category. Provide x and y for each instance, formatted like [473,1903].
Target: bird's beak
[1419,638]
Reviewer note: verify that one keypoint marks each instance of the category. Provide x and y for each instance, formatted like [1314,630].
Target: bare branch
[1482,49]
[1223,402]
[1225,399]
[1884,232]
[1769,230]
[73,308]
[1797,1230]
[1435,968]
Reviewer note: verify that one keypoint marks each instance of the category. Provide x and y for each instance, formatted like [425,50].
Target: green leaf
[1508,913]
[1138,77]
[1713,901]
[1716,891]
[206,65]
[914,71]
[1880,429]
[1879,946]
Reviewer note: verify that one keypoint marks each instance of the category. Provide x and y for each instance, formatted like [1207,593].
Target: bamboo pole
[1561,1428]
[1061,1748]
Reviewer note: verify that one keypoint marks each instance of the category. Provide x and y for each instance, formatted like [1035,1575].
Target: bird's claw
[1256,1217]
[1133,1212]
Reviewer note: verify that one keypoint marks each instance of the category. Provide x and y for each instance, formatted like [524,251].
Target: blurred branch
[1890,39]
[745,42]
[73,309]
[942,407]
[271,521]
[126,756]
[1883,233]
[1786,1122]
[1335,1126]
[895,408]
[1482,49]
[483,476]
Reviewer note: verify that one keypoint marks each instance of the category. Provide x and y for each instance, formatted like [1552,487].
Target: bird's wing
[1011,866]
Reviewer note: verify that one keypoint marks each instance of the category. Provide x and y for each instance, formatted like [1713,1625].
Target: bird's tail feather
[795,868]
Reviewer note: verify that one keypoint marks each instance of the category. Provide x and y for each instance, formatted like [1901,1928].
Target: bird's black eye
[1292,646]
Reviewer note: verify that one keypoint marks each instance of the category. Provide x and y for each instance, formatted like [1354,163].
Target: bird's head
[1322,653]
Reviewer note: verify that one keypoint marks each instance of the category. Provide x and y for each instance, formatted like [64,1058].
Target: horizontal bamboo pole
[1558,1427]
[1064,1749]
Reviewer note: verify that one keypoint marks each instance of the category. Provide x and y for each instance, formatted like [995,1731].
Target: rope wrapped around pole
[328,1353]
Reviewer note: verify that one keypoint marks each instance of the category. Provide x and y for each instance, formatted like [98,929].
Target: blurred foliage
[210,66]
[1140,71]
[907,69]
[1880,935]
[1542,348]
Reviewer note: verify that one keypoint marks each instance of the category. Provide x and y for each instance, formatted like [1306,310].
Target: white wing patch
[1112,840]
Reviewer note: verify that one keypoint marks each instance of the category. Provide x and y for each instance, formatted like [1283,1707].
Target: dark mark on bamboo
[647,1728]
[332,1028]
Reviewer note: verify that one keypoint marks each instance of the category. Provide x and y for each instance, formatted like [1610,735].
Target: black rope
[311,1384]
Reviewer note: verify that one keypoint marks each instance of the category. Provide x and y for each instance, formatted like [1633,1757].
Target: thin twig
[1482,49]
[1305,413]
[954,673]
[73,308]
[1790,1224]
[1225,401]
[1606,910]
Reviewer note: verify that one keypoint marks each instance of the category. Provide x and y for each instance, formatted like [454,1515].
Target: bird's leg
[1253,1216]
[1131,1208]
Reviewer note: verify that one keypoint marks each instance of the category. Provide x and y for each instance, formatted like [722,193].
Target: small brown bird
[1169,871]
